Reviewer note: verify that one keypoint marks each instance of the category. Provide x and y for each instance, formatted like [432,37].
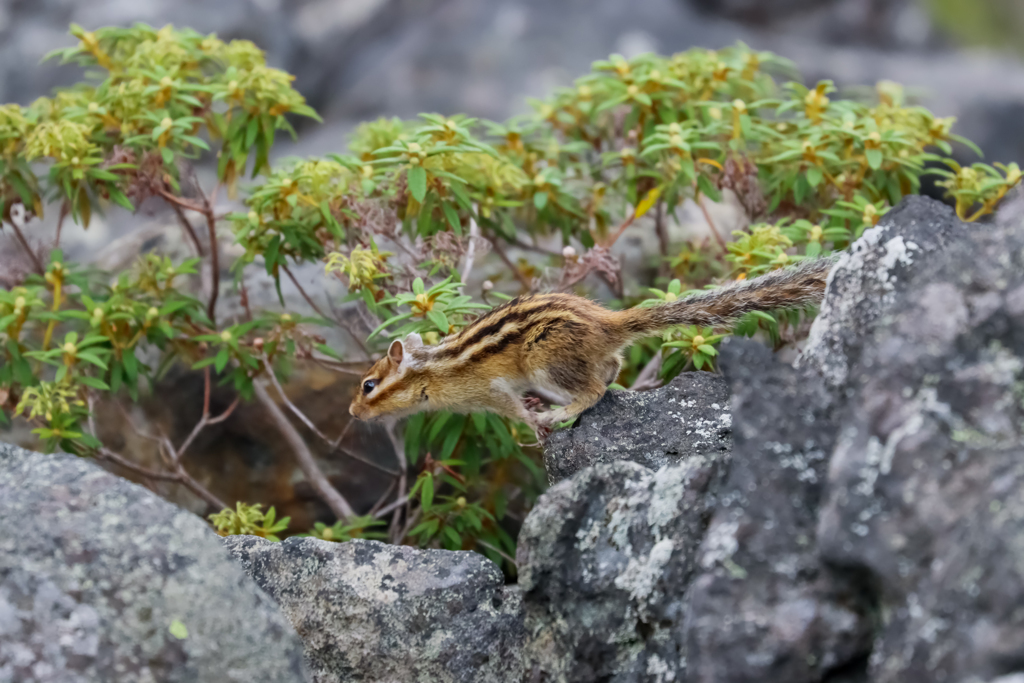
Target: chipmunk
[559,345]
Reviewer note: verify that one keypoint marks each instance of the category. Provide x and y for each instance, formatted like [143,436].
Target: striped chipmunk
[558,346]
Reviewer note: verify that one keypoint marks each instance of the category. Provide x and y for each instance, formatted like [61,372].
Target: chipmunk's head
[395,385]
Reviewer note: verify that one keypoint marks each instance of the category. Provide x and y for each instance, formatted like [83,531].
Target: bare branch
[330,495]
[474,232]
[523,280]
[36,262]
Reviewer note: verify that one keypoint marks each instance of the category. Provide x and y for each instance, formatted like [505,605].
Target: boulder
[689,416]
[100,580]
[368,611]
[605,560]
[763,607]
[926,482]
[891,258]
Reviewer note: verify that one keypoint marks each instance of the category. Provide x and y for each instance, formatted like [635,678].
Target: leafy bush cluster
[404,217]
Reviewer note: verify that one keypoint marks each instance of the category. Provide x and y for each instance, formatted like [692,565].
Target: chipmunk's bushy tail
[786,288]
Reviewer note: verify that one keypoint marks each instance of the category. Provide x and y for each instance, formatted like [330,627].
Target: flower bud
[487,285]
[568,252]
[225,336]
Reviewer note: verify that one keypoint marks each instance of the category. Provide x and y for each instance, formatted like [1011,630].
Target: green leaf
[874,157]
[94,382]
[439,319]
[814,176]
[540,200]
[417,179]
[178,629]
[222,359]
[427,492]
[707,349]
[452,216]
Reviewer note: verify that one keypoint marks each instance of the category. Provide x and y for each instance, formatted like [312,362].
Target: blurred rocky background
[359,59]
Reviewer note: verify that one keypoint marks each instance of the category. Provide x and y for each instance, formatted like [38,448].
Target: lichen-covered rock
[100,580]
[926,483]
[864,284]
[689,416]
[605,559]
[367,611]
[763,608]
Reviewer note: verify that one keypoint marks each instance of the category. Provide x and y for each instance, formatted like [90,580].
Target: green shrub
[627,145]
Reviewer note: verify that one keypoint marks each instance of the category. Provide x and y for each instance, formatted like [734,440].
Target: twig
[711,223]
[178,201]
[206,209]
[330,495]
[663,242]
[618,233]
[523,280]
[380,501]
[395,504]
[511,560]
[648,377]
[28,250]
[211,226]
[291,406]
[474,231]
[398,445]
[205,420]
[64,211]
[187,227]
[173,459]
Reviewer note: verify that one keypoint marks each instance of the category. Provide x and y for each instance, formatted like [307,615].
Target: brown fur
[558,345]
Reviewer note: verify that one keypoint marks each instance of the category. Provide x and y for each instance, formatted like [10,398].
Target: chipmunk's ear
[396,352]
[412,341]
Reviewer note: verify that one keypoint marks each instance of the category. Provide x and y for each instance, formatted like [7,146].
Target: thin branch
[178,201]
[380,501]
[618,233]
[663,241]
[330,495]
[211,226]
[65,209]
[711,223]
[186,226]
[523,280]
[36,263]
[394,505]
[648,377]
[511,560]
[474,231]
[291,406]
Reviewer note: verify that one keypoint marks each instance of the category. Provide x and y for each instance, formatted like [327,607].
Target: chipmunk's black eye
[369,385]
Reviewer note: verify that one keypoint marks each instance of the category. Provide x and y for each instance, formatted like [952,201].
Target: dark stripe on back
[485,327]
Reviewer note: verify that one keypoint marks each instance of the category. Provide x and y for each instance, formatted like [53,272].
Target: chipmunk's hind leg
[584,397]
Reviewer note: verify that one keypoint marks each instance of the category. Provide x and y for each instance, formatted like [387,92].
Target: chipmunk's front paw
[532,402]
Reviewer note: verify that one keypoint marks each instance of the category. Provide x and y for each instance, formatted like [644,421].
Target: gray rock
[605,559]
[367,611]
[101,580]
[689,416]
[926,483]
[763,608]
[890,258]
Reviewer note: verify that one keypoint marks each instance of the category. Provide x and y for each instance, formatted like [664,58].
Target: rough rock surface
[604,561]
[100,580]
[868,279]
[367,611]
[689,416]
[763,608]
[866,525]
[926,484]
